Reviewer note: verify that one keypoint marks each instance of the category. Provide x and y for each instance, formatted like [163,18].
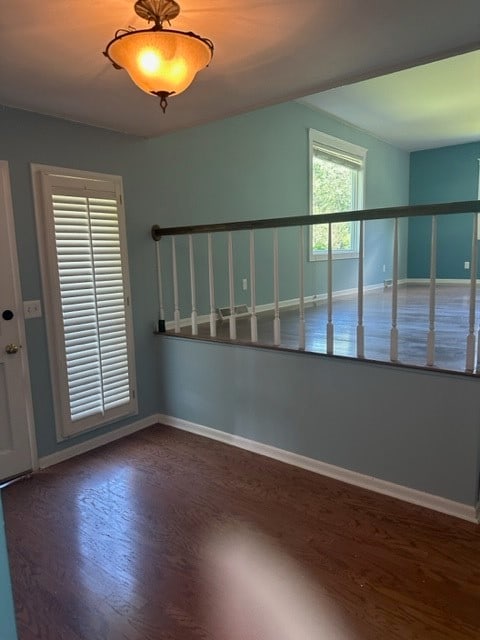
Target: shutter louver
[92,296]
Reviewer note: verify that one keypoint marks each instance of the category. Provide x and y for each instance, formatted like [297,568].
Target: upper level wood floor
[452,315]
[108,546]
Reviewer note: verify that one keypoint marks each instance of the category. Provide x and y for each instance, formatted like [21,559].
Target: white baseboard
[186,322]
[283,304]
[440,281]
[427,500]
[316,298]
[93,443]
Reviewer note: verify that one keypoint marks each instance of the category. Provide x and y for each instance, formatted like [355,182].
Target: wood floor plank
[109,545]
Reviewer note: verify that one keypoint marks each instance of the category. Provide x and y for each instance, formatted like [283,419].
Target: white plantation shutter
[90,300]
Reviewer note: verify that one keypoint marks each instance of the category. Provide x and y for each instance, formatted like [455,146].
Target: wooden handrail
[444,208]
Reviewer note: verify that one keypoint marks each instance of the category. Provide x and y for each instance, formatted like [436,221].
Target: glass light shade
[160,60]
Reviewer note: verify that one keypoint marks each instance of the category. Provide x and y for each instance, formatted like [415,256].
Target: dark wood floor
[452,309]
[108,545]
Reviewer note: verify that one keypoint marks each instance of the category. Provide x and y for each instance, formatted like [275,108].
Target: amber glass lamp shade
[160,61]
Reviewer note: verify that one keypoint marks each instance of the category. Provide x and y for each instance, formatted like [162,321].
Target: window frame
[357,152]
[64,426]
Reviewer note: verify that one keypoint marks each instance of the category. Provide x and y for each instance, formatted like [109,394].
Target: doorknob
[12,348]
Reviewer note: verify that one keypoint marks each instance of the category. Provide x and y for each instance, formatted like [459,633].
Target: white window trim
[337,144]
[53,321]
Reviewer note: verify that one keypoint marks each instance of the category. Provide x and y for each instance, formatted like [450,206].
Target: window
[81,227]
[337,170]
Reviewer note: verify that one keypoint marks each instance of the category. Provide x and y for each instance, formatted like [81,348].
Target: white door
[17,449]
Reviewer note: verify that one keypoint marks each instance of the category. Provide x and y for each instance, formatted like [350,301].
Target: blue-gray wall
[26,138]
[255,165]
[447,174]
[413,428]
[400,426]
[7,618]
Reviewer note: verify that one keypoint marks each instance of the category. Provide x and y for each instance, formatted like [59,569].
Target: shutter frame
[52,182]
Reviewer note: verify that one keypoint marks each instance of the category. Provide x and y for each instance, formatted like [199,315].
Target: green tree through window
[333,191]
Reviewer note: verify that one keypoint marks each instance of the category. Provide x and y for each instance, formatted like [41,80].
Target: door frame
[7,205]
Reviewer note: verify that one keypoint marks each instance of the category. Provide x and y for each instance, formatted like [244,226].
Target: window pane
[341,236]
[332,187]
[333,191]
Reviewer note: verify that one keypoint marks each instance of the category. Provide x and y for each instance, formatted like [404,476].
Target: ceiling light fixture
[162,62]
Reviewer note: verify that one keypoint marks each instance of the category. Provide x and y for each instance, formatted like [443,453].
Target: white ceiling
[433,105]
[266,51]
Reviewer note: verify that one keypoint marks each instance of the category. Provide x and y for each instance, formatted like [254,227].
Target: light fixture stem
[163,95]
[157,11]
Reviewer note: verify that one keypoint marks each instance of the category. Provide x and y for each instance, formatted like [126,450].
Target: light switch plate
[32,309]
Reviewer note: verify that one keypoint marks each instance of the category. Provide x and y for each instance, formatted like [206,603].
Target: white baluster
[301,306]
[161,309]
[470,359]
[211,286]
[433,275]
[176,310]
[253,316]
[193,288]
[231,283]
[329,292]
[360,328]
[276,297]
[394,329]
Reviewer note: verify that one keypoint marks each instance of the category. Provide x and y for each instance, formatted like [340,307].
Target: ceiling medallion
[161,62]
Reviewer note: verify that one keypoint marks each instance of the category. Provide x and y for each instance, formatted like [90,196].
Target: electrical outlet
[244,284]
[466,264]
[384,268]
[32,309]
